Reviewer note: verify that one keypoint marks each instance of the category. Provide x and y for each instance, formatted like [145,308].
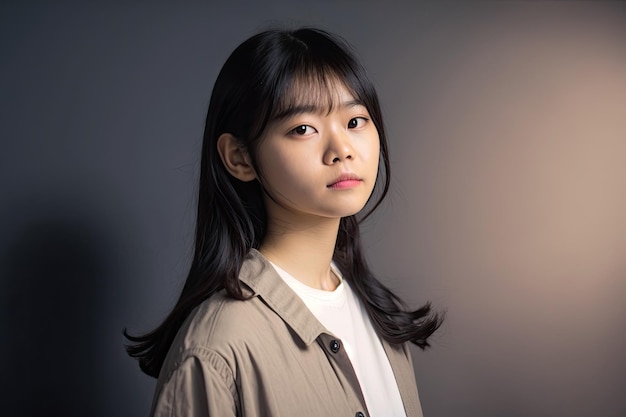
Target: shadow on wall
[54,265]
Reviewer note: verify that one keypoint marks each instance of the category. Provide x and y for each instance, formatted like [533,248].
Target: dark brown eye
[356,122]
[300,130]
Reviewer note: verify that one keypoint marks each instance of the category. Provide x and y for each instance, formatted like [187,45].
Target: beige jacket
[266,356]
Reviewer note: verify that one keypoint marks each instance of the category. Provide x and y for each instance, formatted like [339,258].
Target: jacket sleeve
[202,385]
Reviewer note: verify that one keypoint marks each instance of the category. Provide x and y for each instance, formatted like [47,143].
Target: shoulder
[197,358]
[272,322]
[222,326]
[223,320]
[219,333]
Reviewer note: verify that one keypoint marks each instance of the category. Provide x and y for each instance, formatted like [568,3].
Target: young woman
[280,314]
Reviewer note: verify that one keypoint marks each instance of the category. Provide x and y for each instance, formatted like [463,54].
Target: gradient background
[507,124]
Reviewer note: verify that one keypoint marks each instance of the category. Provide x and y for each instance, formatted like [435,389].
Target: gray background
[507,124]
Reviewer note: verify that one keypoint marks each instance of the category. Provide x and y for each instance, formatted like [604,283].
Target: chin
[348,213]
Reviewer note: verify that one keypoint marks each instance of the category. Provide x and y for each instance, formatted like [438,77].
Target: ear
[235,157]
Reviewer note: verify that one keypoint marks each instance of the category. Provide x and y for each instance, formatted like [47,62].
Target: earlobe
[235,157]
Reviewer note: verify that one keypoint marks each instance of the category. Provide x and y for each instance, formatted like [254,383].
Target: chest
[286,377]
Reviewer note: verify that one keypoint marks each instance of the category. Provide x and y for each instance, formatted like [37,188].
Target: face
[316,163]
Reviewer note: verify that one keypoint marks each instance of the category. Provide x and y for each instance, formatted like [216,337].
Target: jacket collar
[261,277]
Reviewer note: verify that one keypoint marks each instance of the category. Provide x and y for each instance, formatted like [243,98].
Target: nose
[339,147]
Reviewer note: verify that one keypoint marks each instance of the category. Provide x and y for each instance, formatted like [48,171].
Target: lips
[345,181]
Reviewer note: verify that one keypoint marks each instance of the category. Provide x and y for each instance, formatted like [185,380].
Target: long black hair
[259,82]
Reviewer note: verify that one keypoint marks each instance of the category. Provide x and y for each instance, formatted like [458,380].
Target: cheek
[280,168]
[371,152]
[376,152]
[266,163]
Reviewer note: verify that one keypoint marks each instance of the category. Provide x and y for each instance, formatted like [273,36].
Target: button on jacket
[266,356]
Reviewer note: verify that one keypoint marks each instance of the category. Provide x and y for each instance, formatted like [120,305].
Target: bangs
[314,91]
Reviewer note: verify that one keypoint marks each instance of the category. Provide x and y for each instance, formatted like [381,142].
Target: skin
[300,159]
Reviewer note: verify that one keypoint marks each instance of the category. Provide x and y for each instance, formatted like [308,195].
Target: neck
[304,249]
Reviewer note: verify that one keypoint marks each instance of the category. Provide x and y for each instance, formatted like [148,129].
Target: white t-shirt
[342,313]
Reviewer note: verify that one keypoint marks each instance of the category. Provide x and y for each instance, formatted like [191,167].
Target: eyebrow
[314,108]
